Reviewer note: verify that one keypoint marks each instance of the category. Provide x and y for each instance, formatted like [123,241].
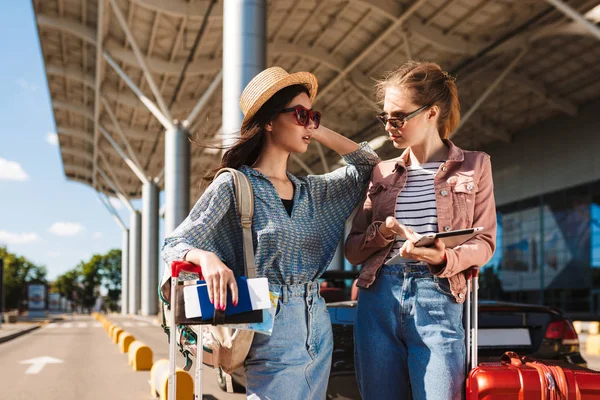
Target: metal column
[244,54]
[125,272]
[576,16]
[177,177]
[135,250]
[149,274]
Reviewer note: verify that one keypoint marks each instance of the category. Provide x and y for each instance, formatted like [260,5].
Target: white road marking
[82,325]
[142,324]
[97,324]
[127,324]
[67,325]
[37,364]
[52,325]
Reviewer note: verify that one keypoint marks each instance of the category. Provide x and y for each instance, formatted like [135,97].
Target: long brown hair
[429,85]
[246,149]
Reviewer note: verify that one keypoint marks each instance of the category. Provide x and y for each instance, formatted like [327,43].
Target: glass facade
[548,251]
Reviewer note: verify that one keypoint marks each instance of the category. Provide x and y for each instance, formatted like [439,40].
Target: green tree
[82,284]
[67,285]
[89,281]
[18,272]
[110,271]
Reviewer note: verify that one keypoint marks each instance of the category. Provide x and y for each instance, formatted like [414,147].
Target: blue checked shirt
[289,250]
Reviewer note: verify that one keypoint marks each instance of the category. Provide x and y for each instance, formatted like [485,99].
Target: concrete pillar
[244,54]
[149,277]
[177,177]
[135,249]
[125,272]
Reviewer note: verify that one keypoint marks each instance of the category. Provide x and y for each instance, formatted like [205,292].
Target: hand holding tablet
[450,238]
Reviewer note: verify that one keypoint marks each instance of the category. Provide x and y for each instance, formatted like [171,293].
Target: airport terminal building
[547,185]
[132,80]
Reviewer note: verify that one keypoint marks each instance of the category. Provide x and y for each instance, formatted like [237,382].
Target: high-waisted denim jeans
[295,361]
[409,337]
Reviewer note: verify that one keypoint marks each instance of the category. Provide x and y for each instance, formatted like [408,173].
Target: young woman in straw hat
[409,314]
[296,228]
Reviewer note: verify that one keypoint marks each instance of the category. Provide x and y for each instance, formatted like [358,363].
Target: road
[75,359]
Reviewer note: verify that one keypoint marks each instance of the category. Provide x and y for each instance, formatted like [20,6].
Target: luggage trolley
[176,270]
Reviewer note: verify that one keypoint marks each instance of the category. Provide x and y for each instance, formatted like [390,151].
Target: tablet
[450,238]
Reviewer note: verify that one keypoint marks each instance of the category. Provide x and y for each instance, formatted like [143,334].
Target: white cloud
[52,138]
[24,84]
[12,171]
[97,235]
[66,229]
[53,254]
[18,238]
[116,203]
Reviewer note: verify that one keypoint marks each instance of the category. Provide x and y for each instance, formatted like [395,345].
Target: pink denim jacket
[464,199]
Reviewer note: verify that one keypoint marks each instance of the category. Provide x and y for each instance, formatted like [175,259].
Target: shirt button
[461,295]
[444,168]
[447,228]
[470,186]
[444,192]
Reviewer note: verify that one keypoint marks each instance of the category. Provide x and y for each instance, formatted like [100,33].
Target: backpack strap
[245,206]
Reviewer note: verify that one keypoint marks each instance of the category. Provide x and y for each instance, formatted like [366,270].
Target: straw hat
[264,85]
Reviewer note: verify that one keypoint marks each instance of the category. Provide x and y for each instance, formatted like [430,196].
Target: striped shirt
[415,205]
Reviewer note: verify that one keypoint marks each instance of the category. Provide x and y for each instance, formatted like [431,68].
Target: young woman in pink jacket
[409,336]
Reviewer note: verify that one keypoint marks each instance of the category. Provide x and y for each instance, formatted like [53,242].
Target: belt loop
[317,288]
[284,294]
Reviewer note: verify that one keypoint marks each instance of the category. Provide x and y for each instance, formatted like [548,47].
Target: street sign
[37,364]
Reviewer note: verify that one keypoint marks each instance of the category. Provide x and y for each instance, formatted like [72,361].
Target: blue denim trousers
[409,337]
[295,361]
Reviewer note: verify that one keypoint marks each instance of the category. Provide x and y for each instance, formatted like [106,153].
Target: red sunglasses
[303,115]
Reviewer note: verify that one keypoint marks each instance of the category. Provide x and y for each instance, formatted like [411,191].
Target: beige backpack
[221,346]
[224,347]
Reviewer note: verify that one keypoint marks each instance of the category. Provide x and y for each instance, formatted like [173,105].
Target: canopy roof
[347,44]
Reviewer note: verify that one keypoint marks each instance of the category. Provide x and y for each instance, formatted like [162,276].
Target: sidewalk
[11,331]
[24,325]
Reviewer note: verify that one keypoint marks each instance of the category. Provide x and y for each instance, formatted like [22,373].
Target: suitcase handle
[510,357]
[179,266]
[472,323]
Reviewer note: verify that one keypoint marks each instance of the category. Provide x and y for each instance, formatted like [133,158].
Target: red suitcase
[518,377]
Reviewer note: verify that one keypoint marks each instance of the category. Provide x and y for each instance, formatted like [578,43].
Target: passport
[253,294]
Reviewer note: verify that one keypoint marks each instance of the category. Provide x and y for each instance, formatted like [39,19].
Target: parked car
[533,330]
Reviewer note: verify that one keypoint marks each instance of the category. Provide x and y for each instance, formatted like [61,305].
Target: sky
[43,216]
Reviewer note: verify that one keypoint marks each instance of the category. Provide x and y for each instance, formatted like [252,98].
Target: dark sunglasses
[400,119]
[303,115]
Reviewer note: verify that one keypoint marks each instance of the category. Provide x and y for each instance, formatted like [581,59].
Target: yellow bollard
[118,333]
[159,382]
[125,341]
[115,334]
[140,356]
